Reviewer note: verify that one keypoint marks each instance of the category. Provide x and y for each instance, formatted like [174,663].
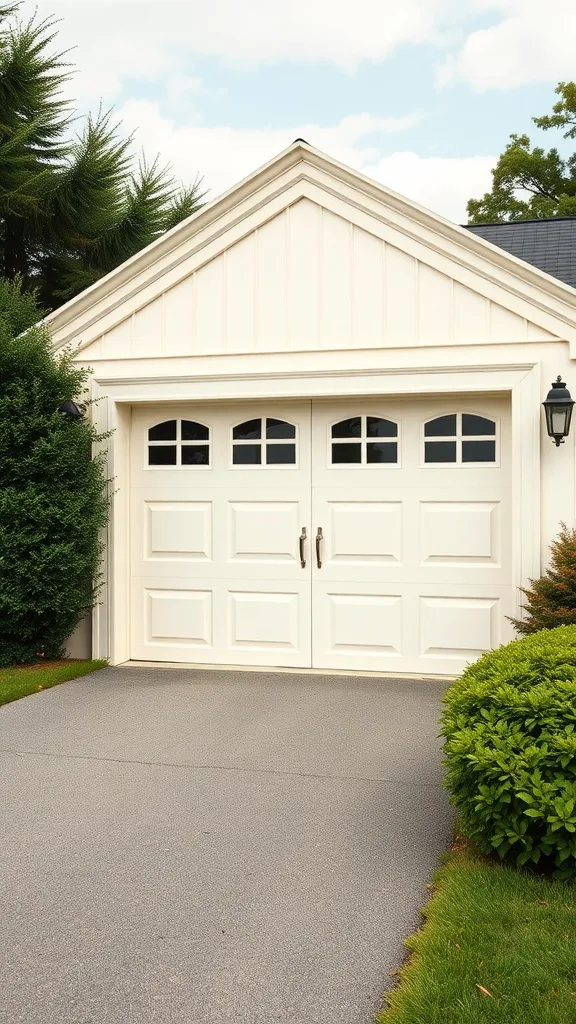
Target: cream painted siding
[306,280]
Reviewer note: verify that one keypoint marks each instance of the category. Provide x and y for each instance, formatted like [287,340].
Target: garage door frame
[116,397]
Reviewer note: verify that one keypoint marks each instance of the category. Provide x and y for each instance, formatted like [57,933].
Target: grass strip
[22,681]
[498,946]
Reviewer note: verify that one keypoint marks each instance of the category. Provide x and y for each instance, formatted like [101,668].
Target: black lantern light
[70,410]
[558,408]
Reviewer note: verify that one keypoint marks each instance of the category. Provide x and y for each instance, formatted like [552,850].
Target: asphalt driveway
[202,847]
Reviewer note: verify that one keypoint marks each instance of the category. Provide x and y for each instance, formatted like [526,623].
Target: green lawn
[19,682]
[498,946]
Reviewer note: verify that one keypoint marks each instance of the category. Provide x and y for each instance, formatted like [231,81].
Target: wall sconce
[558,408]
[70,410]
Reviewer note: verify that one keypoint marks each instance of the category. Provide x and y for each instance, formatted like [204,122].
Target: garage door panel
[264,531]
[263,619]
[173,619]
[178,529]
[458,624]
[460,532]
[182,615]
[457,627]
[358,627]
[362,532]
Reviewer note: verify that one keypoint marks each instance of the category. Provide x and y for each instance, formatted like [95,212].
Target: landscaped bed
[498,947]
[21,681]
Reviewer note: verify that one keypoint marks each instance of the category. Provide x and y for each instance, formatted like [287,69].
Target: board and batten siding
[307,280]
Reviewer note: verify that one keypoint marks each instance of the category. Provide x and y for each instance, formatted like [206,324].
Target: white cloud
[443,184]
[120,40]
[533,42]
[225,155]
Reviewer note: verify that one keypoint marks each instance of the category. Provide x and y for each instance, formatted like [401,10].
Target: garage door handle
[319,539]
[302,538]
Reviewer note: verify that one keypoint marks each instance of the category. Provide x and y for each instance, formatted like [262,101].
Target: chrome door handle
[319,539]
[302,538]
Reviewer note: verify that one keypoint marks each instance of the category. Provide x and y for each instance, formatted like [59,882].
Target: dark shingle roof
[549,244]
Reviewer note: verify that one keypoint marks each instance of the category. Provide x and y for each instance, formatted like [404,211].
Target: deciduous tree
[531,182]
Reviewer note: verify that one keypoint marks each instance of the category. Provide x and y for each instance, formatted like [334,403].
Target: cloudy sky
[419,94]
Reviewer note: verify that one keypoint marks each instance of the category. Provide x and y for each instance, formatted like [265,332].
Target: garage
[366,534]
[320,409]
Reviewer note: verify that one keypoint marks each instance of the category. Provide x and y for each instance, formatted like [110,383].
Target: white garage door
[367,534]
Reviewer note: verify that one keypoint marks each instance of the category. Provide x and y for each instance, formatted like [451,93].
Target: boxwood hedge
[509,724]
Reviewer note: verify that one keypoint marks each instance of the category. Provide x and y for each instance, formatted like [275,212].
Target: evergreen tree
[551,599]
[53,494]
[71,208]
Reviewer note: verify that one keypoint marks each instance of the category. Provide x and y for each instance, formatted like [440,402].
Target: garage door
[368,534]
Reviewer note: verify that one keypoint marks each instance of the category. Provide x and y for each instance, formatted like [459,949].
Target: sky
[419,94]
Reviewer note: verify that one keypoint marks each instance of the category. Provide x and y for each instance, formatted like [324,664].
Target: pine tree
[72,208]
[551,599]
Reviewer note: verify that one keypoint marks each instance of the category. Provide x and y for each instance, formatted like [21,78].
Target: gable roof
[301,170]
[549,243]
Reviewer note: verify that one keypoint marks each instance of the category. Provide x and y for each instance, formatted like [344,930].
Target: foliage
[498,946]
[71,208]
[21,682]
[551,599]
[530,182]
[509,724]
[53,495]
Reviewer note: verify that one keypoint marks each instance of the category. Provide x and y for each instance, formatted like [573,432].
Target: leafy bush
[509,724]
[53,499]
[551,599]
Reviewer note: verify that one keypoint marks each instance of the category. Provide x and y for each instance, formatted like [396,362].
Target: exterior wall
[80,643]
[310,280]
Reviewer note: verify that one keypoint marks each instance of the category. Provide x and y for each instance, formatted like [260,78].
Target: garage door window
[179,443]
[364,440]
[460,438]
[264,442]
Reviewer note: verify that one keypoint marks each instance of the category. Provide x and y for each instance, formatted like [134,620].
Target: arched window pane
[194,431]
[443,426]
[477,425]
[348,428]
[163,431]
[251,430]
[378,427]
[278,429]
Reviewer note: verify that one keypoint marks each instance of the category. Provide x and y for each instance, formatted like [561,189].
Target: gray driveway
[202,847]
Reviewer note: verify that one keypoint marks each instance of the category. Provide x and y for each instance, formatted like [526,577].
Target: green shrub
[53,499]
[551,599]
[509,724]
